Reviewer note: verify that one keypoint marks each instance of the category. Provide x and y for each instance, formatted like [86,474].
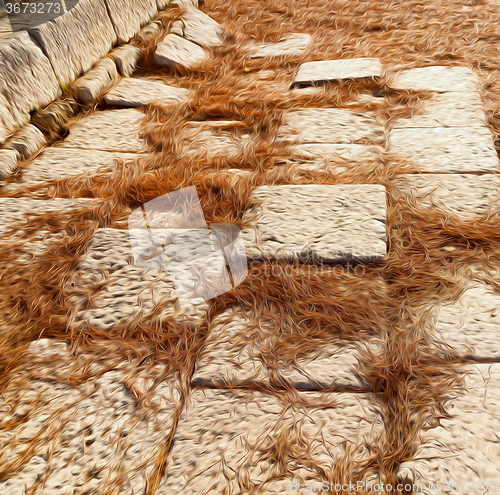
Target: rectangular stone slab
[222,439]
[200,28]
[465,447]
[75,41]
[326,223]
[231,356]
[331,70]
[111,130]
[452,109]
[135,92]
[294,44]
[104,427]
[27,81]
[55,164]
[436,78]
[174,50]
[330,125]
[447,149]
[471,325]
[128,16]
[462,196]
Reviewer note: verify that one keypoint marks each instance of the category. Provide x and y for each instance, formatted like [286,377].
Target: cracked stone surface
[331,70]
[446,149]
[471,325]
[200,28]
[55,164]
[462,196]
[26,141]
[111,130]
[135,92]
[330,125]
[294,44]
[236,353]
[222,438]
[436,78]
[348,223]
[89,87]
[94,430]
[174,50]
[466,446]
[454,109]
[126,58]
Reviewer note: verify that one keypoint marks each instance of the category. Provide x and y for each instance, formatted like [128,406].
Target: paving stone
[234,350]
[446,150]
[327,223]
[8,162]
[462,196]
[332,70]
[27,140]
[27,82]
[129,15]
[201,29]
[89,87]
[134,92]
[76,40]
[466,446]
[129,291]
[351,152]
[211,138]
[437,78]
[104,428]
[225,440]
[111,130]
[55,164]
[471,325]
[174,50]
[126,58]
[330,125]
[452,109]
[294,44]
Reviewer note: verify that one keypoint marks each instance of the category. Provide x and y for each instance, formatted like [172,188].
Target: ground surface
[374,360]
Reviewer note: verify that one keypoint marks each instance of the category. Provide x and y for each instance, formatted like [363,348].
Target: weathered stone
[151,30]
[8,162]
[200,28]
[174,50]
[464,447]
[184,4]
[27,140]
[27,81]
[162,4]
[128,16]
[177,28]
[211,138]
[437,78]
[234,350]
[130,292]
[111,130]
[88,88]
[350,152]
[294,44]
[103,427]
[224,437]
[135,92]
[126,58]
[330,125]
[55,164]
[462,196]
[326,223]
[76,40]
[452,109]
[331,70]
[446,150]
[471,325]
[5,29]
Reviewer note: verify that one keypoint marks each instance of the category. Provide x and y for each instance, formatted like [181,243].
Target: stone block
[332,70]
[174,50]
[325,223]
[294,44]
[126,58]
[8,162]
[135,92]
[89,87]
[128,16]
[75,41]
[200,28]
[27,140]
[446,149]
[27,82]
